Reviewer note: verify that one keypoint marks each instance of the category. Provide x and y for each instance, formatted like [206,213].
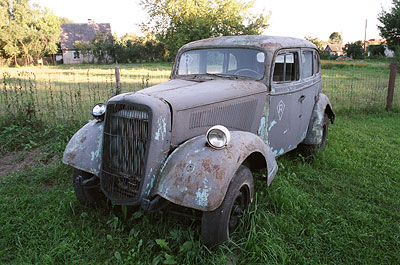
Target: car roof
[267,43]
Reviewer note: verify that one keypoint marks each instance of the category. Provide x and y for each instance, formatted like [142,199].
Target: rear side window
[286,67]
[307,64]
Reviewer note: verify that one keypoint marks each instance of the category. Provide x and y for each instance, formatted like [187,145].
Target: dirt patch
[18,160]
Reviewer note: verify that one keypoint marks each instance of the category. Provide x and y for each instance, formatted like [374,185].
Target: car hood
[187,94]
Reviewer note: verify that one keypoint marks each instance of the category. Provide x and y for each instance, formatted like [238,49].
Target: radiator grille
[125,145]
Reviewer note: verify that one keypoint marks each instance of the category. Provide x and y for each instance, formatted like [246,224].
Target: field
[344,208]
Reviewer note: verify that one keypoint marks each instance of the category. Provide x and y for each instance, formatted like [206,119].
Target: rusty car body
[150,147]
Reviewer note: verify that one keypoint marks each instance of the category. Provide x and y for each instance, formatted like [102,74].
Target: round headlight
[218,136]
[99,110]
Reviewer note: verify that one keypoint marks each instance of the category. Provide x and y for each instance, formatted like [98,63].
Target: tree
[177,22]
[376,50]
[390,28]
[354,50]
[317,42]
[335,38]
[27,31]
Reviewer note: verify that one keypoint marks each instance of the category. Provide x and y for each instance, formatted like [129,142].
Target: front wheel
[87,188]
[218,225]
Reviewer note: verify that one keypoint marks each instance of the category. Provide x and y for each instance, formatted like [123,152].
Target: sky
[294,18]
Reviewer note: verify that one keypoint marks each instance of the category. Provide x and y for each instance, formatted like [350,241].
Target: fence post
[392,79]
[117,81]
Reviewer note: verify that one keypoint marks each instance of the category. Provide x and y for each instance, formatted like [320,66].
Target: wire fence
[67,94]
[55,95]
[359,88]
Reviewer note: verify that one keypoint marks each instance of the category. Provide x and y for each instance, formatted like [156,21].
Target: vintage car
[232,106]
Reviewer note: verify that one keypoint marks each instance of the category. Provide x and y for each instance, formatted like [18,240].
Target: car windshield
[222,62]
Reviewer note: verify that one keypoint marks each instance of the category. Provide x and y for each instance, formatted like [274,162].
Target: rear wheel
[87,188]
[218,225]
[312,149]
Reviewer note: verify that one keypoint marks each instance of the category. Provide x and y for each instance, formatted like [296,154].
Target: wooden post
[392,79]
[117,82]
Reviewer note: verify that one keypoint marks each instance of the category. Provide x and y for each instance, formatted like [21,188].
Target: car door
[310,88]
[285,101]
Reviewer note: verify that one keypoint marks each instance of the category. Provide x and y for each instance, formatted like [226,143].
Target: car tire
[92,196]
[218,225]
[312,149]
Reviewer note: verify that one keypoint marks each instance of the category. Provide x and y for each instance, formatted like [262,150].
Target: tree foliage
[354,49]
[317,42]
[376,50]
[390,28]
[129,48]
[177,22]
[335,38]
[27,31]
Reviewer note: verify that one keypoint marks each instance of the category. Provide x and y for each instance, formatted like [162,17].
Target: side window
[232,65]
[316,62]
[286,67]
[307,64]
[76,55]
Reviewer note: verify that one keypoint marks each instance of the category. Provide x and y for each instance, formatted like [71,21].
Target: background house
[85,32]
[333,50]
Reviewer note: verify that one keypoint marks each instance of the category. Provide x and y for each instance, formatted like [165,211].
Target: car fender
[84,149]
[197,176]
[315,127]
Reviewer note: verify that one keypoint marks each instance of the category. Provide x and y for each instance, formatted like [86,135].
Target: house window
[286,67]
[307,64]
[77,55]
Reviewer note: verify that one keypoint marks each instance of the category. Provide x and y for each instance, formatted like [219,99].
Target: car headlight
[218,136]
[98,111]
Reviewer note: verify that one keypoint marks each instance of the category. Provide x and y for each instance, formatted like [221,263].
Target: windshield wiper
[221,75]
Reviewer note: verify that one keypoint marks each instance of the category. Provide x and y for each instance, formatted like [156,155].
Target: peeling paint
[261,129]
[202,194]
[281,151]
[271,125]
[162,129]
[96,154]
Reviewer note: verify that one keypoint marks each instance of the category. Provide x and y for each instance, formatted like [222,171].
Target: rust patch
[206,164]
[83,139]
[71,156]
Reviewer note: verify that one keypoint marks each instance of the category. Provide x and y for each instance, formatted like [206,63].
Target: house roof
[71,32]
[334,48]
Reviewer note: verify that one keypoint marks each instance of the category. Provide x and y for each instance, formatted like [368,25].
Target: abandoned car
[232,106]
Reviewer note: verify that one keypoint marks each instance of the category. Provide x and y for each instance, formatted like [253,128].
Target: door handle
[302,98]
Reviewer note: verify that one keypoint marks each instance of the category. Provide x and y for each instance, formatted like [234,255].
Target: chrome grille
[125,145]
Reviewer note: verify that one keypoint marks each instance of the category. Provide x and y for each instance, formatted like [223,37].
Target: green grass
[344,208]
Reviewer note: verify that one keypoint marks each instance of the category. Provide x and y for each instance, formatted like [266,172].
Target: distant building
[85,32]
[388,52]
[333,49]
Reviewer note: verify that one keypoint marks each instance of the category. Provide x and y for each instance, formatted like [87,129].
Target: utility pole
[365,36]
